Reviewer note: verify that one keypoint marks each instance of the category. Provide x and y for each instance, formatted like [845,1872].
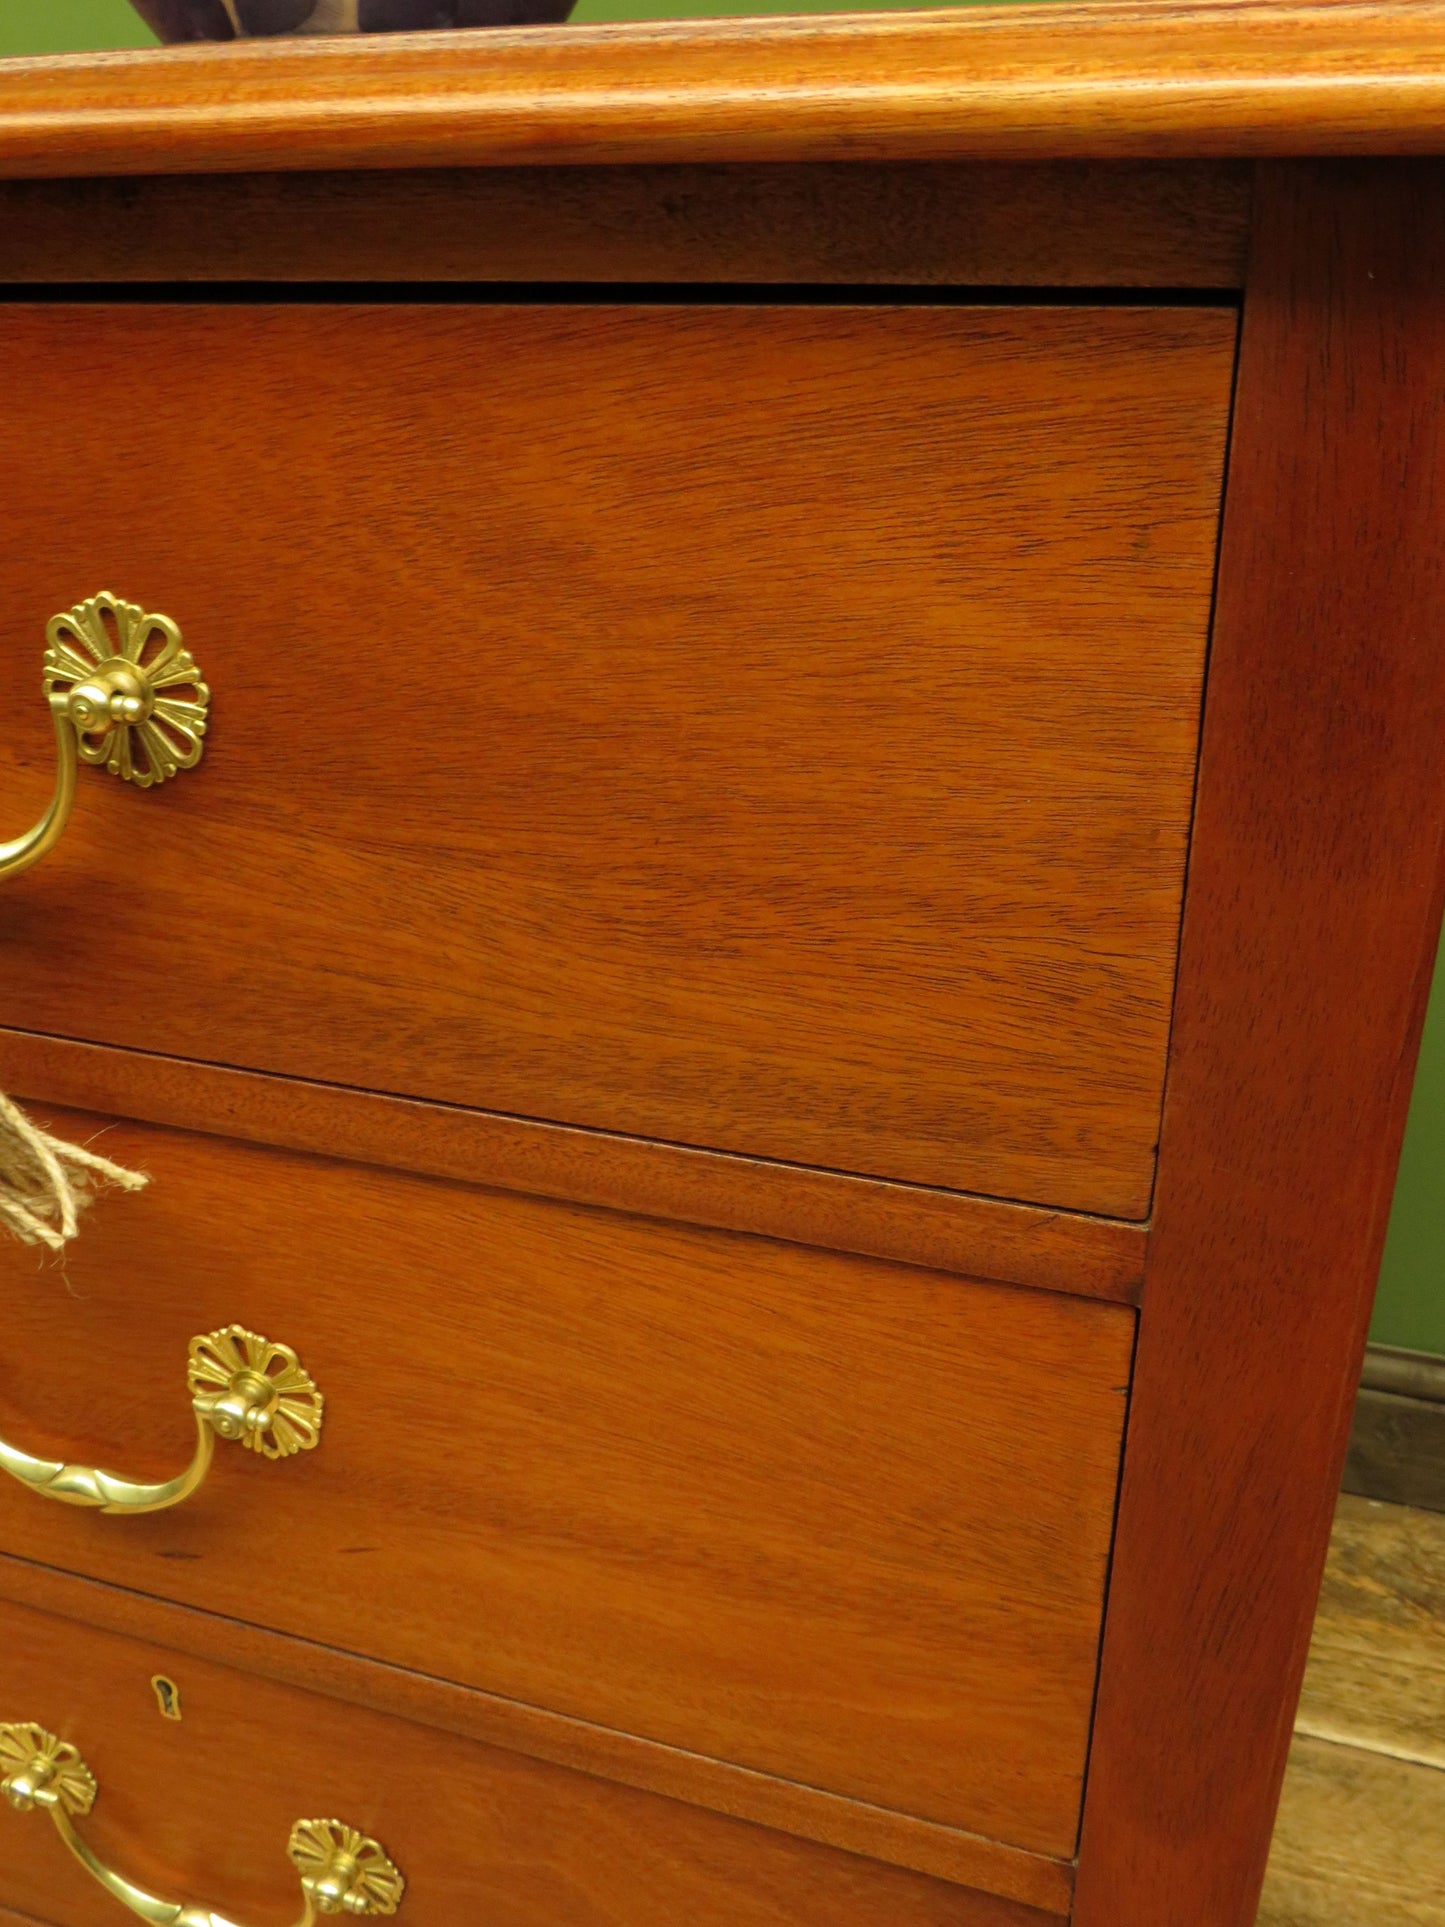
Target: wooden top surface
[1096,78]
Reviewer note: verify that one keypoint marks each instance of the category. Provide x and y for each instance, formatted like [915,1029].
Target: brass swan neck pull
[25,850]
[342,1872]
[124,693]
[242,1387]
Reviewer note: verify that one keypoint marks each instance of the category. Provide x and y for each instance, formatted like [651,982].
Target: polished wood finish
[1113,224]
[1314,904]
[967,1859]
[827,1518]
[757,727]
[1095,79]
[202,1810]
[948,1230]
[813,1539]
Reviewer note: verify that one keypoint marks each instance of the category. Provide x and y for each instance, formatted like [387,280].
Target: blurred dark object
[186,19]
[178,20]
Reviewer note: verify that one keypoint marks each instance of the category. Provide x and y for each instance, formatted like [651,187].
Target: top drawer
[762,727]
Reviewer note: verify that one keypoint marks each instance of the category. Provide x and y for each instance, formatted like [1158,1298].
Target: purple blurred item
[176,20]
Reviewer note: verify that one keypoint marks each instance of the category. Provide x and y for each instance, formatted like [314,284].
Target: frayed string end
[46,1183]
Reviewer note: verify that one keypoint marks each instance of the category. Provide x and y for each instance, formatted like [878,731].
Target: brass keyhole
[168,1697]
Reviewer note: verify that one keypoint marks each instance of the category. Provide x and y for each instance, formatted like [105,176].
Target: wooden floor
[1361,1834]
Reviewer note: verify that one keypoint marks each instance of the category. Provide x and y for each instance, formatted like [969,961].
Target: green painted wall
[65,26]
[1410,1309]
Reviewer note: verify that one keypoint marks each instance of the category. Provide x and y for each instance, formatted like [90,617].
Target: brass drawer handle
[242,1387]
[111,678]
[342,1872]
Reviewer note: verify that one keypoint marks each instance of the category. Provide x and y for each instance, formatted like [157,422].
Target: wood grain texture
[782,737]
[1376,1672]
[1360,1841]
[1098,79]
[829,1519]
[202,1810]
[1360,1836]
[967,1859]
[945,1230]
[1397,1449]
[1103,224]
[1309,934]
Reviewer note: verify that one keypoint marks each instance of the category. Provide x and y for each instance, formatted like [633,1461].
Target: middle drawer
[833,1519]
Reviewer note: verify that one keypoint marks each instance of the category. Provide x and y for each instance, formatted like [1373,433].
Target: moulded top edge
[1085,79]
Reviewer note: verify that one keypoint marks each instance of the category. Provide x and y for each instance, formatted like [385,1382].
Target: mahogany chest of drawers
[771,1035]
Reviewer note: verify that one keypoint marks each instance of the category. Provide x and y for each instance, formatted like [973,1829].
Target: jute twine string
[45,1183]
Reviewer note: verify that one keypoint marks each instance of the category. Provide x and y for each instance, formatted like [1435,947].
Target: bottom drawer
[201,1810]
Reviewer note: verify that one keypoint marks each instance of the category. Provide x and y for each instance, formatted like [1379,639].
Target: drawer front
[202,1809]
[836,1520]
[765,728]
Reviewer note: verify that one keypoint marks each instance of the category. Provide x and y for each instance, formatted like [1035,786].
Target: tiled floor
[1361,1834]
